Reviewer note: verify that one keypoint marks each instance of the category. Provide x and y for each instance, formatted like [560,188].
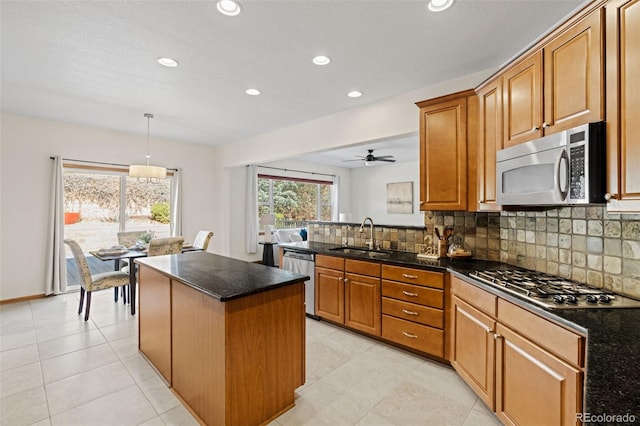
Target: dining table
[130,254]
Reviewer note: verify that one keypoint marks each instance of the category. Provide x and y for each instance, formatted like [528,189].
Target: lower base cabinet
[532,376]
[232,363]
[348,292]
[533,386]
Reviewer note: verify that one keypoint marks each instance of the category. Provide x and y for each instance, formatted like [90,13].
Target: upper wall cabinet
[446,143]
[523,101]
[557,87]
[489,141]
[623,105]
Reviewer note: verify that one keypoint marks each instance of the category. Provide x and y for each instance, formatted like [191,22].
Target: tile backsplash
[584,243]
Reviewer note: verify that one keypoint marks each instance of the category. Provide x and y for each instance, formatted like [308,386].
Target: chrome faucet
[371,241]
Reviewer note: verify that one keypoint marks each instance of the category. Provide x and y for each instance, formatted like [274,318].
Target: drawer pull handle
[413,336]
[409,312]
[411,277]
[406,293]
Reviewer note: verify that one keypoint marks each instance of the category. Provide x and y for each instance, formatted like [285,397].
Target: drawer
[413,294]
[474,296]
[420,337]
[556,339]
[412,312]
[362,267]
[413,276]
[330,262]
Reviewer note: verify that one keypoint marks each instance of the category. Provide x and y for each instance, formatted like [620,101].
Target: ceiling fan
[370,159]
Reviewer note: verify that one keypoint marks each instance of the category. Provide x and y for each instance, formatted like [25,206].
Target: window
[294,201]
[100,202]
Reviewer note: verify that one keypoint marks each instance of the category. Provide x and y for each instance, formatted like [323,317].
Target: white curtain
[252,210]
[56,277]
[176,204]
[334,199]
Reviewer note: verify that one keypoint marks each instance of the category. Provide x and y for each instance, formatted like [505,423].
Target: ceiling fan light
[369,163]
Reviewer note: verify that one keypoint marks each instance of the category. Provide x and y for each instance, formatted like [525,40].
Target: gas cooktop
[550,291]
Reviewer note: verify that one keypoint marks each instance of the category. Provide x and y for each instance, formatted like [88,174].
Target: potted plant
[145,238]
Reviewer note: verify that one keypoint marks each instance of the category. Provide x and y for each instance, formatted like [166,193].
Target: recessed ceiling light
[228,7]
[321,60]
[354,94]
[168,62]
[439,5]
[252,92]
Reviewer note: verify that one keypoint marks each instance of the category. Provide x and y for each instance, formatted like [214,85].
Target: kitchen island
[227,336]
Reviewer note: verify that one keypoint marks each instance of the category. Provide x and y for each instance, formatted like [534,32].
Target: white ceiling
[94,62]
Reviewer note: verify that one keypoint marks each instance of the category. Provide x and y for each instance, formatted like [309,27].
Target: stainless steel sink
[361,251]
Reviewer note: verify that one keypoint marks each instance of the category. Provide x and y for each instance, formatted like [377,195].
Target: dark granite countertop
[613,334]
[221,277]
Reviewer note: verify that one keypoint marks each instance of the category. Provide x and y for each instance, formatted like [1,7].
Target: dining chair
[127,239]
[160,246]
[202,240]
[90,283]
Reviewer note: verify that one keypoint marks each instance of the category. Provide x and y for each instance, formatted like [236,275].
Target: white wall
[369,193]
[213,189]
[390,118]
[26,145]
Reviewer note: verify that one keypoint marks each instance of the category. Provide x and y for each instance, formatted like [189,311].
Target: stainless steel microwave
[568,167]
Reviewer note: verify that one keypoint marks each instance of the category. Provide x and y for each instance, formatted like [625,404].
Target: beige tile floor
[56,369]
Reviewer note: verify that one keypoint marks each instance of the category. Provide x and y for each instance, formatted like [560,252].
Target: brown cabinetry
[348,292]
[413,308]
[489,141]
[623,104]
[154,323]
[516,361]
[557,87]
[233,362]
[447,144]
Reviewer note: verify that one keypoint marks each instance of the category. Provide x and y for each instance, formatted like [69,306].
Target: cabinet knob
[340,278]
[609,196]
[346,280]
[535,129]
[421,202]
[497,336]
[545,125]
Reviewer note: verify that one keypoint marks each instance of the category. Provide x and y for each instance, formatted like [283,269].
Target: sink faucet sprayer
[371,241]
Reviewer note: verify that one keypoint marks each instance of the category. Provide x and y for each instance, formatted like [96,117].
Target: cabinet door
[473,349]
[489,141]
[443,155]
[573,76]
[330,294]
[522,102]
[362,303]
[532,386]
[154,321]
[623,105]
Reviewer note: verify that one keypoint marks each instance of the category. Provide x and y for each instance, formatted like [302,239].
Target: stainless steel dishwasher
[303,263]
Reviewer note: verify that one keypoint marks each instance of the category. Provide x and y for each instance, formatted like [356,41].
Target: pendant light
[145,170]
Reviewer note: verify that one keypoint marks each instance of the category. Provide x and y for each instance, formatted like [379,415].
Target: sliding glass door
[100,202]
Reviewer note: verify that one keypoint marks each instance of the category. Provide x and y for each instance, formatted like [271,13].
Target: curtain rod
[296,171]
[101,163]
